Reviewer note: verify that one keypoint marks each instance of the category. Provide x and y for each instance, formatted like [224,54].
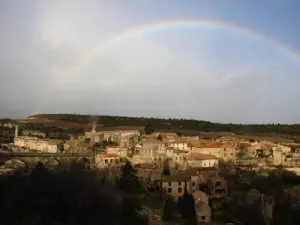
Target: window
[179,183]
[106,161]
[169,190]
[218,183]
[169,183]
[202,217]
[193,183]
[179,190]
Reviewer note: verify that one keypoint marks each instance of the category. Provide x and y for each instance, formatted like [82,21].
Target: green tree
[71,197]
[186,206]
[159,137]
[148,129]
[166,168]
[241,153]
[129,182]
[168,209]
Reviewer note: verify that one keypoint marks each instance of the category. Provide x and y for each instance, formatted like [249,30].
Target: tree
[179,134]
[159,137]
[129,182]
[241,153]
[251,140]
[70,197]
[148,129]
[166,169]
[168,209]
[186,206]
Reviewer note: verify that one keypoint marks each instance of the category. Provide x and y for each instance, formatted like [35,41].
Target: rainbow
[187,23]
[135,32]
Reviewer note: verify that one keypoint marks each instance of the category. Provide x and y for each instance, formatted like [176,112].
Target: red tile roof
[109,155]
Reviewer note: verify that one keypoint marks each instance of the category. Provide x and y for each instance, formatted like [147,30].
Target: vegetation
[173,124]
[129,182]
[168,209]
[166,168]
[64,196]
[148,129]
[159,137]
[278,184]
[186,206]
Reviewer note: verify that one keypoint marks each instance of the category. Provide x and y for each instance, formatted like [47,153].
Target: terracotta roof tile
[109,155]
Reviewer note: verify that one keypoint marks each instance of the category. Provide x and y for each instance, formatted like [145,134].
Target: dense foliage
[175,124]
[66,197]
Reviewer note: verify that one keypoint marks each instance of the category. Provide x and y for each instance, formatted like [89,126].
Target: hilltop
[189,126]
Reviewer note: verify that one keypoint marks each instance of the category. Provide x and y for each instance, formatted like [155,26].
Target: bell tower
[94,126]
[16,131]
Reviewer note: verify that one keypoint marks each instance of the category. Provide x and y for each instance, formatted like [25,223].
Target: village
[175,164]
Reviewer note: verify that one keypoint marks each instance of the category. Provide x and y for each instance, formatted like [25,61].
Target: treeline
[69,196]
[176,124]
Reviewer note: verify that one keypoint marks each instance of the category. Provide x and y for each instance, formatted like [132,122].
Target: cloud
[201,74]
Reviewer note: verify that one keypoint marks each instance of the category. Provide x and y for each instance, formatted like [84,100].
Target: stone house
[229,153]
[169,152]
[105,159]
[179,144]
[146,155]
[151,174]
[201,160]
[200,176]
[79,145]
[215,149]
[203,212]
[175,184]
[227,139]
[217,187]
[178,156]
[121,151]
[33,133]
[150,151]
[36,144]
[129,140]
[250,150]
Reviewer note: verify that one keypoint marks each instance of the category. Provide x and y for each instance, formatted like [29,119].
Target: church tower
[94,126]
[16,131]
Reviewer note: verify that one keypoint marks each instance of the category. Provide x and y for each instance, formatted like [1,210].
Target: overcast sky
[51,62]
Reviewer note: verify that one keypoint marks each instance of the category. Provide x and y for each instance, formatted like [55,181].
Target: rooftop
[109,155]
[180,151]
[182,177]
[199,156]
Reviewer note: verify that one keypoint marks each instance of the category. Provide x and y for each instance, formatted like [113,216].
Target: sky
[225,61]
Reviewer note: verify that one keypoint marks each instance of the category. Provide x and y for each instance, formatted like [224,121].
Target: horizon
[228,61]
[149,117]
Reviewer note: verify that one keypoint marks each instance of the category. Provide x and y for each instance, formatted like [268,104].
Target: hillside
[184,125]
